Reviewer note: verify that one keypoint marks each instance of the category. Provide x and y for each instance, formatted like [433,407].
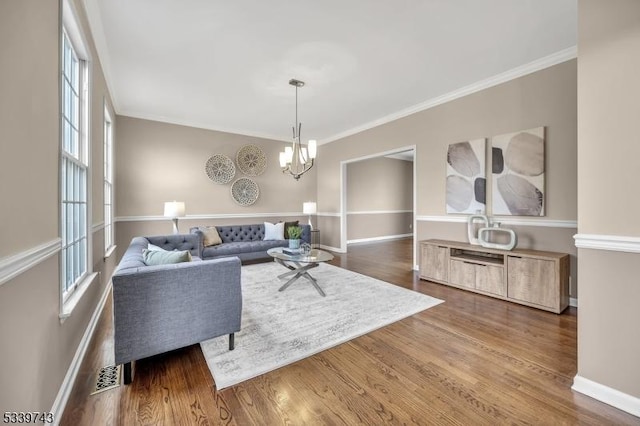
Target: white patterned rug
[280,328]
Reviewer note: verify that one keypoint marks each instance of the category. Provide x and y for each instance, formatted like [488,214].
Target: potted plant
[295,232]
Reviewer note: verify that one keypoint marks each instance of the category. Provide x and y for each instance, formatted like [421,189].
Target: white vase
[484,237]
[471,221]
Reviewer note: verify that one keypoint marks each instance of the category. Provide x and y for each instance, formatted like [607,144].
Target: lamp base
[310,224]
[175,225]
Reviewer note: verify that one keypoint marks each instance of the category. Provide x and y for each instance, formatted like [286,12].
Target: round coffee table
[299,265]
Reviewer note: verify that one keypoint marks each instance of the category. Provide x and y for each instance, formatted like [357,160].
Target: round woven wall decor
[251,160]
[245,191]
[220,169]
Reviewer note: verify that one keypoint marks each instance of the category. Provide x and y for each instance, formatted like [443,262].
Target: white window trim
[79,42]
[109,226]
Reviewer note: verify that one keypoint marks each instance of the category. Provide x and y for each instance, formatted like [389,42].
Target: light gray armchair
[161,308]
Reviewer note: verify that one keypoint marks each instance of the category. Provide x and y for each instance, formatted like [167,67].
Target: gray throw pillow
[157,257]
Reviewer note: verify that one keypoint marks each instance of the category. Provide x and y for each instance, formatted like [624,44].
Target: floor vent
[108,378]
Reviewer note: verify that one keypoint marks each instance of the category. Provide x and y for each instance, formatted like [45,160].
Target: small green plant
[294,232]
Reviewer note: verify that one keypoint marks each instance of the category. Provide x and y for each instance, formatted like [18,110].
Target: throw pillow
[273,231]
[155,248]
[157,257]
[211,236]
[286,228]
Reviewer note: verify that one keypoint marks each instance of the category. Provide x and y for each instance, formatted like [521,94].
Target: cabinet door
[532,280]
[463,274]
[434,262]
[490,278]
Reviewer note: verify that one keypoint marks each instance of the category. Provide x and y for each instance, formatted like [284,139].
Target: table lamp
[174,210]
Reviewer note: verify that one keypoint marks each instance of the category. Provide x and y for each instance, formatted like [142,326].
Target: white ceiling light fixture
[296,159]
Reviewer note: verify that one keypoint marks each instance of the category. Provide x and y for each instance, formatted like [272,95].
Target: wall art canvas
[518,173]
[466,177]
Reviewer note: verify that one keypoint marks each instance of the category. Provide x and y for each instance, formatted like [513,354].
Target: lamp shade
[174,209]
[309,207]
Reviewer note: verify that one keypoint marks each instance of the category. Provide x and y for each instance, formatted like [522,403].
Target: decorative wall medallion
[251,160]
[245,191]
[220,169]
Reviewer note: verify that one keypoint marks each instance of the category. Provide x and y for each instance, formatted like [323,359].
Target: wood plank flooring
[472,360]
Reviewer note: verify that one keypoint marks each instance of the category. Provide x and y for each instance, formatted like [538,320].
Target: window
[74,168]
[108,181]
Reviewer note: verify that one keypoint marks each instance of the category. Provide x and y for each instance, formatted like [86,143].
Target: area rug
[280,328]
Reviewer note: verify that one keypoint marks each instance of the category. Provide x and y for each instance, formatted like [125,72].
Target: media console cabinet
[539,279]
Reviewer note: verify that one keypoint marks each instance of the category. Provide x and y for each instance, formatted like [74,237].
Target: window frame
[108,198]
[75,156]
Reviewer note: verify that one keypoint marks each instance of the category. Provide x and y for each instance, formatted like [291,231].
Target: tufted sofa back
[132,260]
[241,233]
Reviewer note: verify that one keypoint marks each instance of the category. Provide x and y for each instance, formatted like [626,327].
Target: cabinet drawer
[532,280]
[463,274]
[491,279]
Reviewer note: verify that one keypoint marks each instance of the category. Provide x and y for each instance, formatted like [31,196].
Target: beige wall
[37,349]
[379,198]
[158,162]
[609,184]
[544,98]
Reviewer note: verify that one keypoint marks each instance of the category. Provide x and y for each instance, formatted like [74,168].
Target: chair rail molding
[504,220]
[210,216]
[608,242]
[12,266]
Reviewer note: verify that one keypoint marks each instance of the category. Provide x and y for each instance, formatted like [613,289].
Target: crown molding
[12,266]
[199,125]
[608,242]
[537,65]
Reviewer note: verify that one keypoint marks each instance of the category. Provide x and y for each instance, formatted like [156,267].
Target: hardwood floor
[472,360]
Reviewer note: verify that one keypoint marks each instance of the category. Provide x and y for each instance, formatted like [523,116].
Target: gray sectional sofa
[245,241]
[165,307]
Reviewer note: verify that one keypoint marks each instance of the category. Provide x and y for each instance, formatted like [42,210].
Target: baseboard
[60,402]
[335,249]
[608,395]
[383,238]
[573,302]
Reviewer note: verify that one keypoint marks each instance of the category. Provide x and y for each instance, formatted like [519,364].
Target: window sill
[70,304]
[109,252]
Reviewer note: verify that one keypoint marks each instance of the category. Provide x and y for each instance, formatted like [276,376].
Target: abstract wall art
[466,178]
[518,173]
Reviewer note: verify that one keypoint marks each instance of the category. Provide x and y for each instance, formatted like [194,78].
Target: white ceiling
[225,65]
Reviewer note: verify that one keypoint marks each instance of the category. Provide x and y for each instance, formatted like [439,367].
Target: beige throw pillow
[211,236]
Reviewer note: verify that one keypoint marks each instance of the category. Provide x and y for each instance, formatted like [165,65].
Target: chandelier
[296,159]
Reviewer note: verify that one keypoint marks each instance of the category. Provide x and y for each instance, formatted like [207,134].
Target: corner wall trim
[505,220]
[608,395]
[12,266]
[69,379]
[608,242]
